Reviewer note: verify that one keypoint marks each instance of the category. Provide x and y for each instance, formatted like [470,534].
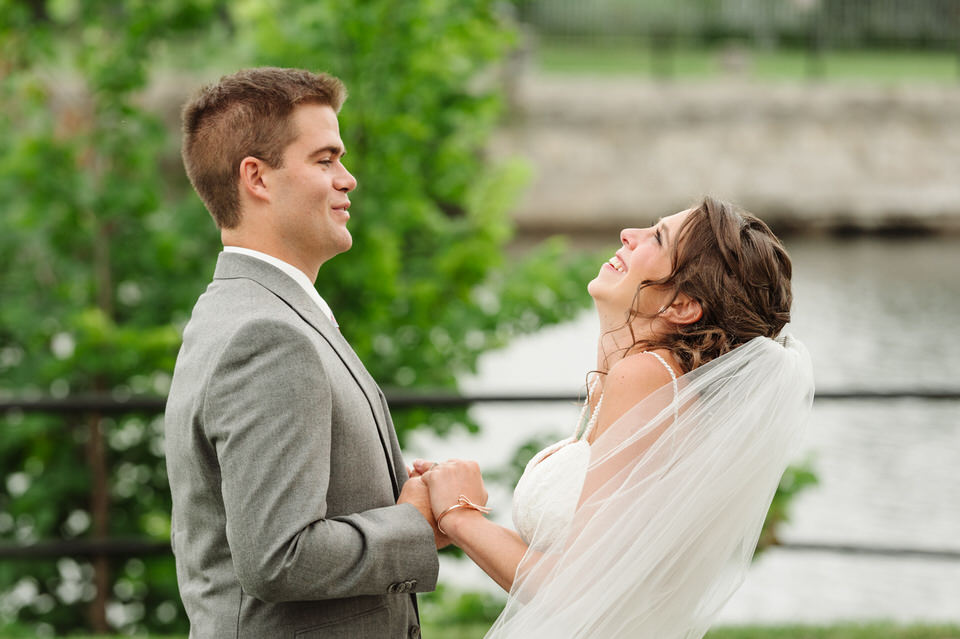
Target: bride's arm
[497,550]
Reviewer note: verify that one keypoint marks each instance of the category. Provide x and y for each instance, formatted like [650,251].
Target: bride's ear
[684,310]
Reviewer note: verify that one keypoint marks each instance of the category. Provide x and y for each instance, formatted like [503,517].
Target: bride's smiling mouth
[617,264]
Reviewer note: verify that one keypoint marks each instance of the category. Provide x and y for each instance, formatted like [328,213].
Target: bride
[643,522]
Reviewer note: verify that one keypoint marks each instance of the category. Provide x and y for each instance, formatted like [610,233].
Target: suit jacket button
[414,632]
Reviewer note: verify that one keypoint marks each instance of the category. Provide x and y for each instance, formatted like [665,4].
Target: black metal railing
[124,548]
[114,405]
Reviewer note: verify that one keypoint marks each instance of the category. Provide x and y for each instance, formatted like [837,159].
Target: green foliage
[795,480]
[426,288]
[446,607]
[426,284]
[509,474]
[93,267]
[103,250]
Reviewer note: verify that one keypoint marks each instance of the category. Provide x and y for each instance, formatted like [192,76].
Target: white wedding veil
[672,505]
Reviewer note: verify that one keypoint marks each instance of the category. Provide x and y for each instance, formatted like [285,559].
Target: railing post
[815,38]
[100,514]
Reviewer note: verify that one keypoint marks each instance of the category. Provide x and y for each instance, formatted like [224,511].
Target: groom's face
[309,192]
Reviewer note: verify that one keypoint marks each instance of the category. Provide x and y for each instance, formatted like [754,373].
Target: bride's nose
[629,237]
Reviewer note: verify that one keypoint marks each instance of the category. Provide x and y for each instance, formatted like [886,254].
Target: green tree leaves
[104,249]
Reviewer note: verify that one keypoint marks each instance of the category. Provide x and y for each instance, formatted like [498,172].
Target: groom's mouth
[342,208]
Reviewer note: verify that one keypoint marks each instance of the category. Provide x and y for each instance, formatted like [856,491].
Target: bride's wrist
[454,515]
[455,522]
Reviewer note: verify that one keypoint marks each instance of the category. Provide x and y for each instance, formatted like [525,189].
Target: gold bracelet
[462,502]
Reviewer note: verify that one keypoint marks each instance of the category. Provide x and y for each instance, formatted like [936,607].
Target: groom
[292,512]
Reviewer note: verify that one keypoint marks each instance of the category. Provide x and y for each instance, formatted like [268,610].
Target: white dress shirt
[296,274]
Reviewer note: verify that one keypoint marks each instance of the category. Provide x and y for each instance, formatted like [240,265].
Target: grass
[871,66]
[847,631]
[868,631]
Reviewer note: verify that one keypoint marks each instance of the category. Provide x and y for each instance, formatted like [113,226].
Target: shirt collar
[295,274]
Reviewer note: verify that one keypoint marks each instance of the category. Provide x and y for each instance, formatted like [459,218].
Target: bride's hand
[450,479]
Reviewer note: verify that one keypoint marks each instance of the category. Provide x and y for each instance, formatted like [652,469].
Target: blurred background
[499,148]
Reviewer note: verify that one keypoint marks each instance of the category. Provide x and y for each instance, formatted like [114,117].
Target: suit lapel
[233,266]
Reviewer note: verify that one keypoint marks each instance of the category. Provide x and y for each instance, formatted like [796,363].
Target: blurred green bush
[104,248]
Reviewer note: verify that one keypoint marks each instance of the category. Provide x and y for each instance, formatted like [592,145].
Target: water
[875,314]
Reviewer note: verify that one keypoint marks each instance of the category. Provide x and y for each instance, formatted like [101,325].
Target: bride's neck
[617,337]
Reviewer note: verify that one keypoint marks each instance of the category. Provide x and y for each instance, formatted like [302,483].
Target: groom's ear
[252,182]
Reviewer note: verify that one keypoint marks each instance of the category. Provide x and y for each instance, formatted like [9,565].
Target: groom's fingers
[420,466]
[453,478]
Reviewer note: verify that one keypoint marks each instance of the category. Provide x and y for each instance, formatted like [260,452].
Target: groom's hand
[420,466]
[415,493]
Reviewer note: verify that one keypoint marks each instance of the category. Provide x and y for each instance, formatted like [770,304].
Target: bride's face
[646,254]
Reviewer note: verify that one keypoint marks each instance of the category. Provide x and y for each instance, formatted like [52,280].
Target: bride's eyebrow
[665,230]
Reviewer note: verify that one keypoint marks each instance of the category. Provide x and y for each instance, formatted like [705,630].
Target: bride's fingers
[447,481]
[420,466]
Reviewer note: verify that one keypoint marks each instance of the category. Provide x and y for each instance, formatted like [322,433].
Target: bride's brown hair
[737,269]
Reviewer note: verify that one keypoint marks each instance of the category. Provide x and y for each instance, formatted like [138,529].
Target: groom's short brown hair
[246,114]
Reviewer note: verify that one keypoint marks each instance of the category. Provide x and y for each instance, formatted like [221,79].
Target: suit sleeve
[267,411]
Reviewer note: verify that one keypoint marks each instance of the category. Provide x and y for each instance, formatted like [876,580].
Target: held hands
[415,493]
[446,482]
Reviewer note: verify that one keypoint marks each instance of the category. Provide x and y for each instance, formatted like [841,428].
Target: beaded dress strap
[596,411]
[577,436]
[676,386]
[593,415]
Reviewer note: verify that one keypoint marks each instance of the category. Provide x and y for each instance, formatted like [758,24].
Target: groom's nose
[345,181]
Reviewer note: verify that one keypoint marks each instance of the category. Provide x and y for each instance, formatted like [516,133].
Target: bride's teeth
[616,263]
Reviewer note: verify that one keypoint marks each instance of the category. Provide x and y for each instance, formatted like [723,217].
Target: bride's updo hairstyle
[733,264]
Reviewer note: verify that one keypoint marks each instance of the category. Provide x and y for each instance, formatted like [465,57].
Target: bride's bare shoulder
[628,382]
[639,374]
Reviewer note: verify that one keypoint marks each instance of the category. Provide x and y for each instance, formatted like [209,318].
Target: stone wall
[614,152]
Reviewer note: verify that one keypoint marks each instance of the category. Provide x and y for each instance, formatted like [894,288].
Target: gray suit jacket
[285,471]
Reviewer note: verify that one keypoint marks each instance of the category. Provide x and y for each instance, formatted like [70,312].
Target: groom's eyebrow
[333,149]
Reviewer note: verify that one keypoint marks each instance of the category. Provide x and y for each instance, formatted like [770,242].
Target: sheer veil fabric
[671,506]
